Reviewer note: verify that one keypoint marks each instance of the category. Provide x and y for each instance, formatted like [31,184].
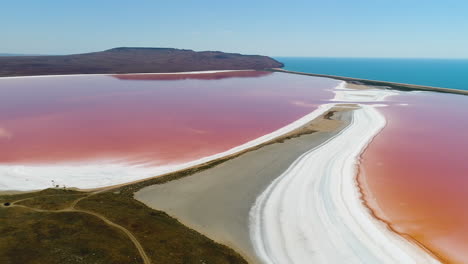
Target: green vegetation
[63,237]
[164,239]
[65,226]
[51,202]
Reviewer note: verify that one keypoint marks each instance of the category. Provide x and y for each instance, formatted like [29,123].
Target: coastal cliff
[133,60]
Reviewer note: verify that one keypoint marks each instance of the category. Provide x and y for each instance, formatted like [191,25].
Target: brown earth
[133,60]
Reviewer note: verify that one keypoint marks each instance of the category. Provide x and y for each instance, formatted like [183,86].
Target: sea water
[447,73]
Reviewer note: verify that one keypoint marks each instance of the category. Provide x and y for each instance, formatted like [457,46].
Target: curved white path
[313,213]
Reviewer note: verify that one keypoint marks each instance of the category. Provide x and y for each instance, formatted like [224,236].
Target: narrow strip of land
[391,85]
[217,202]
[313,212]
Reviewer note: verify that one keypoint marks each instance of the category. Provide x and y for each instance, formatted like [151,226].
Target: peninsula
[133,60]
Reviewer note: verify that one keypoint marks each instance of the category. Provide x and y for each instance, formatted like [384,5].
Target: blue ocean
[447,73]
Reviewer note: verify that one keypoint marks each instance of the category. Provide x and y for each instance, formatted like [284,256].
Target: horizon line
[364,57]
[2,54]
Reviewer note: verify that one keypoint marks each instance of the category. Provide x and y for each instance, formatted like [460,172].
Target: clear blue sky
[336,28]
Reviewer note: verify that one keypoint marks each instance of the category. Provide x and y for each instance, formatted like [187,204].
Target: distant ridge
[133,60]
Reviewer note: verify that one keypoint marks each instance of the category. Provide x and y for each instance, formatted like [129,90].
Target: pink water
[154,119]
[416,172]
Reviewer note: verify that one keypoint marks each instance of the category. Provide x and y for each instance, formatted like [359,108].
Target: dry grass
[66,237]
[44,227]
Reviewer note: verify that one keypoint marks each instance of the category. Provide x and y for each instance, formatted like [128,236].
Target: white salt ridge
[107,173]
[360,96]
[313,213]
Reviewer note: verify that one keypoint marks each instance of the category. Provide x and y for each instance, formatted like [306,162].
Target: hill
[133,60]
